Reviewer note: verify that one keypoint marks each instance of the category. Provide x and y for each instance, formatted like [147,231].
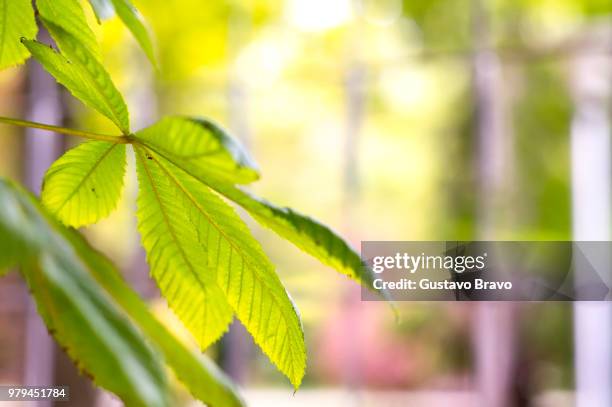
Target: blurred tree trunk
[40,150]
[591,206]
[495,322]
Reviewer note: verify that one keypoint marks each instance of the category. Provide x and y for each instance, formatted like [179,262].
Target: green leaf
[306,233]
[243,271]
[203,149]
[135,23]
[202,378]
[16,22]
[131,18]
[82,75]
[103,9]
[76,310]
[177,259]
[94,333]
[85,184]
[10,252]
[69,15]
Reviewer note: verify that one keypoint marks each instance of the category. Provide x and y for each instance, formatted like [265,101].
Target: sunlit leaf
[84,185]
[82,75]
[173,140]
[243,271]
[177,259]
[203,148]
[16,22]
[76,310]
[69,15]
[134,22]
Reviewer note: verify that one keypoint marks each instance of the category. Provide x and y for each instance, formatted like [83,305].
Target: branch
[64,130]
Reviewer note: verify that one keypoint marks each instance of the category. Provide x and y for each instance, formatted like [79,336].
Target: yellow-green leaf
[173,138]
[16,22]
[305,232]
[177,259]
[243,271]
[80,72]
[69,15]
[135,23]
[85,184]
[202,147]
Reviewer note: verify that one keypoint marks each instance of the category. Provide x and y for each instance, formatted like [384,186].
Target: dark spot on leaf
[149,157]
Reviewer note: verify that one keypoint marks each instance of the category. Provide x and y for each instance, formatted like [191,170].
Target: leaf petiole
[67,131]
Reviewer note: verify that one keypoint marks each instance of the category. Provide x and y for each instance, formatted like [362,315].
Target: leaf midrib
[205,214]
[107,102]
[162,150]
[167,221]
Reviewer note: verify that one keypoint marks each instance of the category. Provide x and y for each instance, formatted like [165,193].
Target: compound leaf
[81,74]
[203,149]
[85,184]
[243,271]
[16,22]
[173,138]
[176,257]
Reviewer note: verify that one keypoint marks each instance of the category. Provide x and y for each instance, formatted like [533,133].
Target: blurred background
[387,120]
